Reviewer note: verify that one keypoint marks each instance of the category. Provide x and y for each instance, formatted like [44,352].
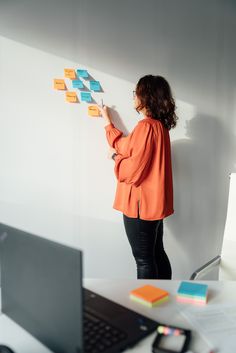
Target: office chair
[226,261]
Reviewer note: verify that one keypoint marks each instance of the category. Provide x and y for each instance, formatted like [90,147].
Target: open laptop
[41,283]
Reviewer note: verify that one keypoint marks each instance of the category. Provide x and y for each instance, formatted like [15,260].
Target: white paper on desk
[216,323]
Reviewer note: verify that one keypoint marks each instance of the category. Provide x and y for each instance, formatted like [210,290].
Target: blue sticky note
[86,96]
[82,73]
[77,84]
[95,86]
[193,289]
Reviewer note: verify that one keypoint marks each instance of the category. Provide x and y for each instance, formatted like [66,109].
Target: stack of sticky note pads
[193,293]
[149,295]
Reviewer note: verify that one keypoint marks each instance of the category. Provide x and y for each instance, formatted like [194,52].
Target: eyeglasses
[134,94]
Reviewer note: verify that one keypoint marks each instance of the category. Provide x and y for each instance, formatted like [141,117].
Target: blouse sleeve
[114,136]
[133,167]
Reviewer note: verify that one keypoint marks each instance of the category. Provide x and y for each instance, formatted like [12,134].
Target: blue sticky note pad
[193,289]
[77,84]
[82,73]
[86,96]
[95,86]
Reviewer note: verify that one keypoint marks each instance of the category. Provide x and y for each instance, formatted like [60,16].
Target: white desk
[21,341]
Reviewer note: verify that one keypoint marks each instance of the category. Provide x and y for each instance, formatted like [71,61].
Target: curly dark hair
[155,95]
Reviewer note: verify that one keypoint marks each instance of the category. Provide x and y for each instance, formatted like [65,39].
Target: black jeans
[146,240]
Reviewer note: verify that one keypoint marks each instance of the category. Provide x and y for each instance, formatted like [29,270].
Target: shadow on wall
[202,164]
[118,121]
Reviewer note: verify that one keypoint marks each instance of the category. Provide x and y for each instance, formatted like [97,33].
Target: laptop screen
[42,288]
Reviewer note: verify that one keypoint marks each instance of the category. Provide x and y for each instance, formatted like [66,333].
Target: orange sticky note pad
[93,110]
[70,73]
[59,84]
[149,293]
[71,97]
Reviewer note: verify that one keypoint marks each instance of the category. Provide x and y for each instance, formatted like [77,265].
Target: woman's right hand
[104,111]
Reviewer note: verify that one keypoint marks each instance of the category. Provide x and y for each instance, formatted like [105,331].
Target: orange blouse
[143,170]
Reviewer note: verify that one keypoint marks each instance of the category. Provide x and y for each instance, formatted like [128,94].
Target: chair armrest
[205,268]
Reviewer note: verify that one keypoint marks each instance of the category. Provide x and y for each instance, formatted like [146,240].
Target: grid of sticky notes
[149,295]
[80,93]
[192,293]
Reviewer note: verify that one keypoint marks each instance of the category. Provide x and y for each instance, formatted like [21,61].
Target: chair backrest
[228,254]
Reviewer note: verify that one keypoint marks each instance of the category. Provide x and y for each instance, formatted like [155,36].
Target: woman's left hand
[110,152]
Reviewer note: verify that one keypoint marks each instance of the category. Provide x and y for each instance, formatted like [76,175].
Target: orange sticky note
[70,73]
[71,97]
[93,110]
[149,293]
[59,84]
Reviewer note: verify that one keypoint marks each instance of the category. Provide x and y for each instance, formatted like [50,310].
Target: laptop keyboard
[99,336]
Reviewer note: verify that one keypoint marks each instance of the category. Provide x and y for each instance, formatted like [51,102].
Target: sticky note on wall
[71,97]
[70,73]
[86,96]
[77,84]
[93,111]
[82,73]
[95,85]
[59,84]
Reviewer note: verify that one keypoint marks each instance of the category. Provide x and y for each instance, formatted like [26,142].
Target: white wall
[55,179]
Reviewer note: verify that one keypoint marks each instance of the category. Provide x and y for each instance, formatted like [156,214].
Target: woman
[143,169]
